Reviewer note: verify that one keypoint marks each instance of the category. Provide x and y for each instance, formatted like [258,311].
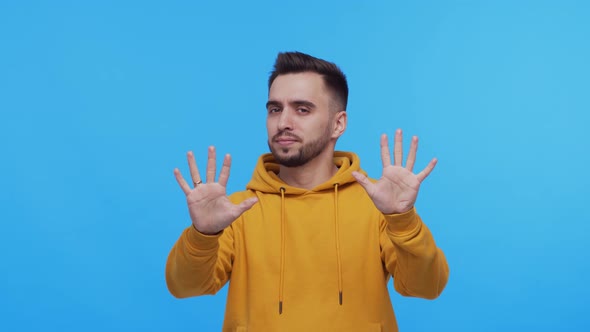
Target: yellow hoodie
[309,260]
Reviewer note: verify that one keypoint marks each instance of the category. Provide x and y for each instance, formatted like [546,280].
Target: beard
[303,154]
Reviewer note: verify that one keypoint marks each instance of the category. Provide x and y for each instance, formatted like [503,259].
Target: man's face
[299,118]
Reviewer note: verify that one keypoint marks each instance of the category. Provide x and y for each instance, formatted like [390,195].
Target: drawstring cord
[282,278]
[337,238]
[337,234]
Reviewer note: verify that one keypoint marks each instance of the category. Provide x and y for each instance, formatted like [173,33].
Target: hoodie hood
[265,178]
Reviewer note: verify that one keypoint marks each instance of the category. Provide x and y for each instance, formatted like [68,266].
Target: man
[311,243]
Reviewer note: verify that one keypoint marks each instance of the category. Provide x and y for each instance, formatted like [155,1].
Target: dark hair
[297,62]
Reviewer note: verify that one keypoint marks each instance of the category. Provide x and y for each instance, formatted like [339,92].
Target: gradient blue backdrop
[100,100]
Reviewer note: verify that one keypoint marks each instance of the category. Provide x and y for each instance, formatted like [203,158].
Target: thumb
[247,204]
[363,181]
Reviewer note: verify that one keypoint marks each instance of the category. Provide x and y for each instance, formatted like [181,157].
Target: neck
[311,174]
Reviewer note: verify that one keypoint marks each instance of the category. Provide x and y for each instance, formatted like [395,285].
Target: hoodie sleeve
[199,264]
[418,267]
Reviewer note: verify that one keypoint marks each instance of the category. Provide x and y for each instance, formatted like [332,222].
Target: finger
[412,155]
[363,181]
[426,171]
[397,148]
[181,182]
[246,205]
[192,165]
[224,174]
[211,165]
[385,156]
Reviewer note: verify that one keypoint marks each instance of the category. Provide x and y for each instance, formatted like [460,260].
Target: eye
[273,110]
[302,110]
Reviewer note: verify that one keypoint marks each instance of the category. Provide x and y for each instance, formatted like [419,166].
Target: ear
[340,120]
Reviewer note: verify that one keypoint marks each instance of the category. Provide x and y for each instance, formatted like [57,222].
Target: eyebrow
[272,103]
[306,103]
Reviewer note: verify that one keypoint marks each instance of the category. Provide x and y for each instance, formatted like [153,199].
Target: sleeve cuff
[202,241]
[403,223]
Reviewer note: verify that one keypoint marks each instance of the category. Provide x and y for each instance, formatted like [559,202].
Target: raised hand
[397,189]
[210,209]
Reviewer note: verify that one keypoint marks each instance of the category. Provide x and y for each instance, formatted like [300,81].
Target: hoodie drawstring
[337,235]
[282,277]
[337,239]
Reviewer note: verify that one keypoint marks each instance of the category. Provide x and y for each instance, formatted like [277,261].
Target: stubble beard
[304,154]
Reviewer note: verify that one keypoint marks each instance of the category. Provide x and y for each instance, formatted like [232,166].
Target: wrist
[207,232]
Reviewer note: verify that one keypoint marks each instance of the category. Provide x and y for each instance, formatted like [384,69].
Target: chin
[283,155]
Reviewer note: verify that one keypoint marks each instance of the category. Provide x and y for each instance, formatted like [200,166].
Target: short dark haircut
[297,62]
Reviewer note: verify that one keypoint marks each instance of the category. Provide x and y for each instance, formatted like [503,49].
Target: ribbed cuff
[403,223]
[202,241]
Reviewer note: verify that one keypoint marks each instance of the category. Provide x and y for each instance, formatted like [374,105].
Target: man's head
[297,62]
[306,107]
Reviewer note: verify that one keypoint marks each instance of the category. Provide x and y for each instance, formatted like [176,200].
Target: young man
[311,243]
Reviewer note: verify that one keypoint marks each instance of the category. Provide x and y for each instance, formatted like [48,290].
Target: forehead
[299,86]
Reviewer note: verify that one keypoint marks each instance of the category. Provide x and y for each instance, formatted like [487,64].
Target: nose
[285,120]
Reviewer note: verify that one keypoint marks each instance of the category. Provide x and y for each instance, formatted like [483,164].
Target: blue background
[101,100]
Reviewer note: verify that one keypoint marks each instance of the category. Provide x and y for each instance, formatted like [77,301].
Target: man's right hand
[210,209]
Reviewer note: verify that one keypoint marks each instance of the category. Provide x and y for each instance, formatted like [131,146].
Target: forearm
[421,269]
[194,265]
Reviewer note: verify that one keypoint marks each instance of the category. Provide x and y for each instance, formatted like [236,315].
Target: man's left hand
[397,189]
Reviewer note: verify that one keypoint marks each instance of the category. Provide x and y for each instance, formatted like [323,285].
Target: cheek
[270,128]
[321,127]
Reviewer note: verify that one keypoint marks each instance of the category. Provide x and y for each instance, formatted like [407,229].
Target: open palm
[209,207]
[397,189]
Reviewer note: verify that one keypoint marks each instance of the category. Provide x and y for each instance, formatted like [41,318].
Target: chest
[309,232]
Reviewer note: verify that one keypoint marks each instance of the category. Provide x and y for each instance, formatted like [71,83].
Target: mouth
[285,141]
